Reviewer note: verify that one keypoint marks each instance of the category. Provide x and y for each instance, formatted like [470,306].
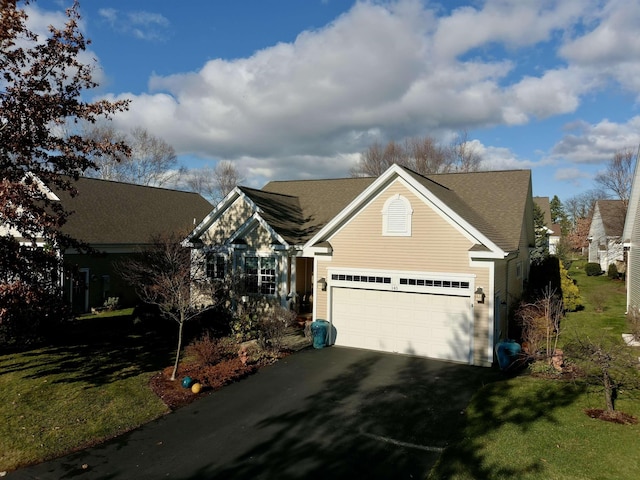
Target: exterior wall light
[322,283]
[479,294]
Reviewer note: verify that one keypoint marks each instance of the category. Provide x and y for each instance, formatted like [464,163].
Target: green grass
[533,428]
[92,386]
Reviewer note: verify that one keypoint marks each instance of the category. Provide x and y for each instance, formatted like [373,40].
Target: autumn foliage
[41,87]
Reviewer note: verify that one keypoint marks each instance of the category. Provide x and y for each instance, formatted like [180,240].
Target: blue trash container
[507,352]
[319,330]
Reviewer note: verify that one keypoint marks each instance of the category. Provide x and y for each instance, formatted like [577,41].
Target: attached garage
[424,315]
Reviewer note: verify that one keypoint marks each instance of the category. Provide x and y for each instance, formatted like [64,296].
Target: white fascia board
[253,221]
[314,251]
[490,255]
[217,211]
[42,187]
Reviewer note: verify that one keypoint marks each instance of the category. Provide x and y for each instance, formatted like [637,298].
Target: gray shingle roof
[493,202]
[613,213]
[106,212]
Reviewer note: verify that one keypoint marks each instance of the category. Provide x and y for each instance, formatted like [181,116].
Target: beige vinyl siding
[321,297]
[360,243]
[434,246]
[225,226]
[259,239]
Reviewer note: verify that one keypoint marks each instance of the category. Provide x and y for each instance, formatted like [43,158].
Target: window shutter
[397,216]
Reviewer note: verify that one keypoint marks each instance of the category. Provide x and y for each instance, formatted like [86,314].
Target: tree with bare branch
[424,155]
[214,183]
[151,160]
[618,176]
[166,275]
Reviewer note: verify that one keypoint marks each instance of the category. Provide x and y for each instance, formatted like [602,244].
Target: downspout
[506,290]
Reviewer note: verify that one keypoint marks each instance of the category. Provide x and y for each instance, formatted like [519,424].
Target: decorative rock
[187,382]
[196,387]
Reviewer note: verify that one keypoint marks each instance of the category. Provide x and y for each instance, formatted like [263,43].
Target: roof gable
[612,214]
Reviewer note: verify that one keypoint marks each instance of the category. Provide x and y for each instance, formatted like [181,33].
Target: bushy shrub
[593,269]
[540,323]
[29,313]
[209,350]
[570,291]
[111,303]
[273,325]
[612,272]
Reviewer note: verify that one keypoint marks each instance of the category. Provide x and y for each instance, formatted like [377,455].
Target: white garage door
[424,324]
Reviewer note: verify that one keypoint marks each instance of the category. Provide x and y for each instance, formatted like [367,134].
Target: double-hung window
[260,275]
[216,265]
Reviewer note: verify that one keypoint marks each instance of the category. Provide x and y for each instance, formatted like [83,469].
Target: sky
[297,89]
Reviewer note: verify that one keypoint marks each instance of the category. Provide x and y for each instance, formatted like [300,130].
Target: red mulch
[211,377]
[614,417]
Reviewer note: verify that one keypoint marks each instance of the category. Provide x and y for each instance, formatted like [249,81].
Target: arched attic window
[396,217]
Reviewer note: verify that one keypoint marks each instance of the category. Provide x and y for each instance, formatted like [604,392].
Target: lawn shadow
[491,412]
[99,352]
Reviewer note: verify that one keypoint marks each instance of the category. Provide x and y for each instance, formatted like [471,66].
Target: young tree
[541,250]
[608,364]
[559,215]
[165,275]
[40,91]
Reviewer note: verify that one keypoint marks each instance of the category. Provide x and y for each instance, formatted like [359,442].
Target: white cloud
[383,71]
[515,24]
[571,175]
[587,143]
[140,24]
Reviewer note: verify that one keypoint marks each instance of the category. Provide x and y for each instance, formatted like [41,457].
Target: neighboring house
[605,233]
[554,238]
[631,238]
[423,265]
[552,231]
[116,219]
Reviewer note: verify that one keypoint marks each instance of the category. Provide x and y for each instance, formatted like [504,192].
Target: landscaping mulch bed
[614,417]
[211,377]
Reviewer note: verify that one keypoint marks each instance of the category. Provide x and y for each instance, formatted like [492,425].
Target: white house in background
[631,237]
[605,234]
[422,265]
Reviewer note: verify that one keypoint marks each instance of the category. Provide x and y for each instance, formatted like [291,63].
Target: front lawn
[80,391]
[535,428]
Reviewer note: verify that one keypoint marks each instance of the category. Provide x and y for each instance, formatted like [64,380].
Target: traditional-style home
[605,234]
[631,238]
[116,219]
[422,265]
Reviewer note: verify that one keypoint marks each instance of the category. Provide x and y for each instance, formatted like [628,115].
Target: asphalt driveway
[333,413]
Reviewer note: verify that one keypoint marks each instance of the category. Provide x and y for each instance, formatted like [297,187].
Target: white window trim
[260,257]
[385,217]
